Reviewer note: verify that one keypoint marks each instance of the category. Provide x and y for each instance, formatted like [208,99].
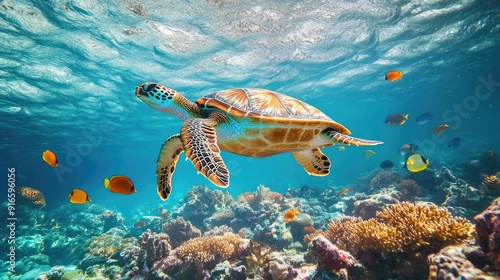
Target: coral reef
[452,263]
[489,162]
[156,246]
[180,231]
[488,232]
[385,178]
[414,230]
[409,190]
[328,256]
[201,250]
[32,197]
[199,204]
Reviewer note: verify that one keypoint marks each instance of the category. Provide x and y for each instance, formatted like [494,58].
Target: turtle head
[156,95]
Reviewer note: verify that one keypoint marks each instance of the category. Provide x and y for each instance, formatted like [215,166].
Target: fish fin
[165,165]
[200,143]
[106,183]
[313,161]
[406,116]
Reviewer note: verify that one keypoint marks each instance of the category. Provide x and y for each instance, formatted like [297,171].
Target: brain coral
[203,249]
[33,196]
[403,227]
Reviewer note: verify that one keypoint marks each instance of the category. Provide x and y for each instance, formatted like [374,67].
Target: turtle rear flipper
[339,138]
[200,143]
[314,161]
[165,165]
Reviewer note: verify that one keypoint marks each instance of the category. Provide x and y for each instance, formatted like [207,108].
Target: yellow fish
[119,184]
[77,196]
[50,158]
[369,153]
[396,119]
[416,163]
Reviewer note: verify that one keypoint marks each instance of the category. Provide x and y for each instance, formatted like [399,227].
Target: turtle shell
[265,105]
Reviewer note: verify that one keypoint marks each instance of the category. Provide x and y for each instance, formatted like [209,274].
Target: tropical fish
[309,229]
[440,128]
[386,164]
[424,118]
[50,158]
[341,148]
[290,215]
[393,75]
[140,224]
[77,196]
[407,149]
[344,190]
[454,143]
[119,184]
[396,119]
[369,153]
[163,213]
[416,163]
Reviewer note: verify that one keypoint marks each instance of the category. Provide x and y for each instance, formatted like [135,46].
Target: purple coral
[488,232]
[330,257]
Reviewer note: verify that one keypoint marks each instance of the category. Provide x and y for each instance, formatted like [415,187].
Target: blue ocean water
[68,71]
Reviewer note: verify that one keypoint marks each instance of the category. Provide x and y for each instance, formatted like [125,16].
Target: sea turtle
[248,121]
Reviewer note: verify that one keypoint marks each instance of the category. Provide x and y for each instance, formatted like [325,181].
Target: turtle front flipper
[314,161]
[165,165]
[200,143]
[339,138]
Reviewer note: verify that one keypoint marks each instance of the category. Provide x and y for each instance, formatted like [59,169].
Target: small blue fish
[454,143]
[424,118]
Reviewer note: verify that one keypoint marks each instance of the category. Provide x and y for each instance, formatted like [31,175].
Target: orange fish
[140,224]
[440,128]
[309,229]
[77,196]
[393,75]
[50,158]
[119,184]
[290,215]
[344,190]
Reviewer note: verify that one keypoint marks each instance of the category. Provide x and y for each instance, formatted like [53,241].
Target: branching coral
[403,227]
[217,248]
[492,181]
[33,196]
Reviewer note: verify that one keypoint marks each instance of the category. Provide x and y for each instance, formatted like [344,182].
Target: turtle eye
[151,87]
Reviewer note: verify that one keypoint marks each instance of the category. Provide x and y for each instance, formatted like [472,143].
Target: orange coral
[403,227]
[34,196]
[492,181]
[203,249]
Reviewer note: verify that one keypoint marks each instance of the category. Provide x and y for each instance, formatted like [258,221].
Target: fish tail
[406,116]
[106,183]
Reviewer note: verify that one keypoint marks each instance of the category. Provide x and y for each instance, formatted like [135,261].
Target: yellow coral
[106,245]
[34,196]
[492,181]
[203,249]
[403,227]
